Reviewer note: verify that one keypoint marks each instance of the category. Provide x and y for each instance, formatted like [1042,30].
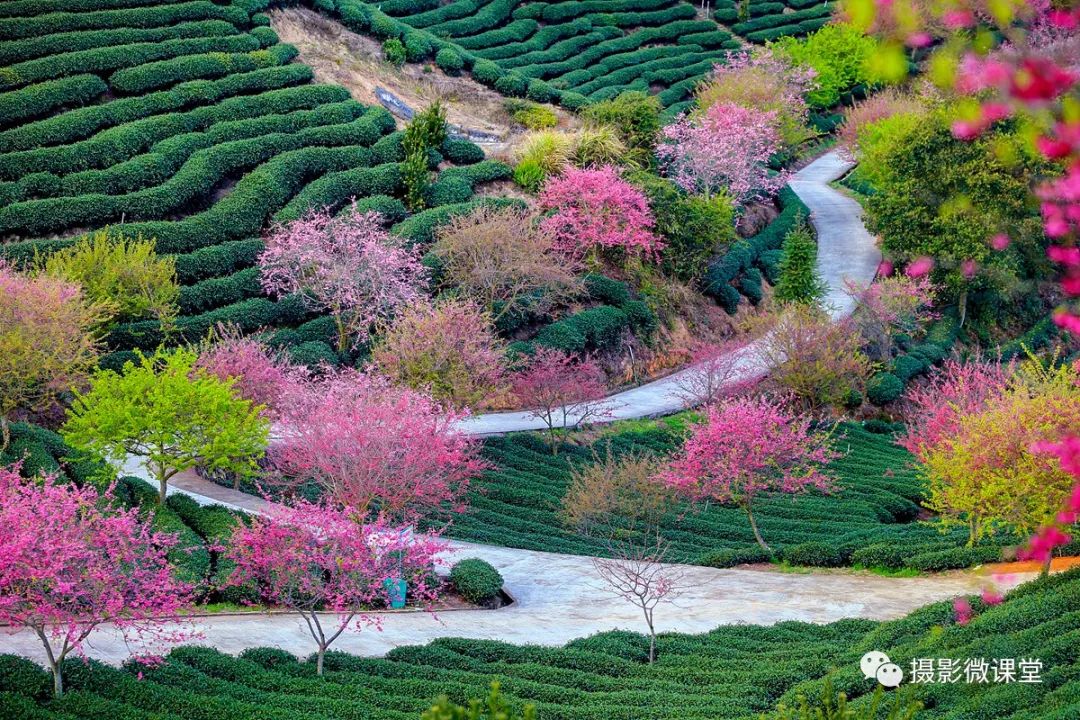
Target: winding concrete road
[561,597]
[557,598]
[846,252]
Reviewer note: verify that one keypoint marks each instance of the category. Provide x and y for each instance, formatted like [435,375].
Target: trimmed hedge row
[202,171]
[123,58]
[914,360]
[82,123]
[43,98]
[743,254]
[121,142]
[35,47]
[163,73]
[58,22]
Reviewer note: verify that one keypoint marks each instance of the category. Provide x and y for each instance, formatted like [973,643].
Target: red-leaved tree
[68,564]
[318,561]
[347,266]
[374,448]
[561,391]
[727,147]
[595,209]
[747,447]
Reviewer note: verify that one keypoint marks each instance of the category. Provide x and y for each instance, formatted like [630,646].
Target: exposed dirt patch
[342,57]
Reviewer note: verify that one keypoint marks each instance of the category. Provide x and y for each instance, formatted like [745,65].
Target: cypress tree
[799,281]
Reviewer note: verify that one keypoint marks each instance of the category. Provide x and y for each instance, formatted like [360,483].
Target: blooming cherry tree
[727,147]
[316,560]
[68,564]
[747,447]
[257,374]
[560,391]
[347,266]
[595,209]
[376,449]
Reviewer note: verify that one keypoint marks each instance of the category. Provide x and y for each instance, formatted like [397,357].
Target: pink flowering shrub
[594,210]
[375,449]
[318,561]
[726,148]
[747,447]
[561,390]
[347,266]
[69,563]
[260,375]
[891,305]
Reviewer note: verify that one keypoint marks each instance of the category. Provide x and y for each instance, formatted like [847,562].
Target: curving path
[557,598]
[561,597]
[846,252]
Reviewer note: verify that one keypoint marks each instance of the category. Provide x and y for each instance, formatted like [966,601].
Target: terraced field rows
[762,20]
[731,672]
[517,504]
[188,122]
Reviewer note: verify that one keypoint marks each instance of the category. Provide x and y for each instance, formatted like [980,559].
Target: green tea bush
[394,51]
[883,388]
[449,60]
[476,580]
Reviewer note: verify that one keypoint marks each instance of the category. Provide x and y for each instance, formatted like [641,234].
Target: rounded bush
[313,353]
[817,554]
[384,26]
[953,558]
[881,427]
[881,555]
[883,388]
[540,91]
[269,658]
[573,101]
[448,191]
[394,52]
[562,336]
[462,152]
[853,398]
[450,60]
[643,320]
[512,84]
[906,367]
[417,46]
[23,677]
[487,72]
[476,580]
[607,290]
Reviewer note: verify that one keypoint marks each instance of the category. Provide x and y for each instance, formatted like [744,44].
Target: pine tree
[799,281]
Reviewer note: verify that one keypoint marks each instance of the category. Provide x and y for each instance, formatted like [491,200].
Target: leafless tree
[638,573]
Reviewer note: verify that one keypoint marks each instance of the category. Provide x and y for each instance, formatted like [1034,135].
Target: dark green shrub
[512,84]
[23,677]
[643,320]
[462,152]
[882,427]
[884,555]
[816,554]
[540,91]
[269,658]
[732,557]
[883,388]
[417,46]
[606,290]
[953,558]
[906,367]
[487,72]
[450,60]
[562,336]
[313,354]
[394,51]
[476,580]
[750,285]
[799,281]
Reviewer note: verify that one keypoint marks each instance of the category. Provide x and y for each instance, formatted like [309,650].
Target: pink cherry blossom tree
[347,266]
[316,560]
[69,563]
[376,449]
[260,375]
[951,393]
[747,447]
[726,147]
[561,391]
[595,209]
[890,305]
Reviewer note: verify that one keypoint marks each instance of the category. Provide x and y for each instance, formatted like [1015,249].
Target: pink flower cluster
[595,209]
[727,148]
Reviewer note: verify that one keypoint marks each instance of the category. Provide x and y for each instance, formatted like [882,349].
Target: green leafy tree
[694,227]
[799,281]
[124,275]
[170,414]
[839,54]
[426,132]
[939,197]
